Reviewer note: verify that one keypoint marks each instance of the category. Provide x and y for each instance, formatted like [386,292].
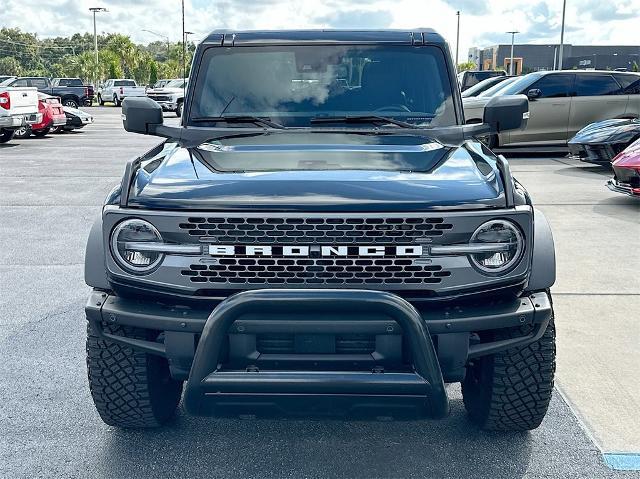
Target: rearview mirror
[141,115]
[506,112]
[534,93]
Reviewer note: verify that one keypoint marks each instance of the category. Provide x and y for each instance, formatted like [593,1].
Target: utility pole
[564,7]
[95,41]
[513,36]
[457,39]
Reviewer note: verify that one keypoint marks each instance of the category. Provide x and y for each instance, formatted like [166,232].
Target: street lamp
[161,36]
[95,40]
[513,35]
[564,7]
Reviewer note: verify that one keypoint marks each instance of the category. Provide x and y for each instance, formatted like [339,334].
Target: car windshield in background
[503,85]
[519,84]
[292,85]
[124,83]
[175,84]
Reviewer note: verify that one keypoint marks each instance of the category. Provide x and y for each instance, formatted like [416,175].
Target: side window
[630,84]
[553,86]
[39,82]
[594,85]
[20,82]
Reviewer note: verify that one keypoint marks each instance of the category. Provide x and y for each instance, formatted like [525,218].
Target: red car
[52,116]
[626,169]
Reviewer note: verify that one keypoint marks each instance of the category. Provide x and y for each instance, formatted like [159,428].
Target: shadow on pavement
[194,447]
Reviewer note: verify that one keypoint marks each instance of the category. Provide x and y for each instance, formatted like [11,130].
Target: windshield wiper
[361,119]
[256,120]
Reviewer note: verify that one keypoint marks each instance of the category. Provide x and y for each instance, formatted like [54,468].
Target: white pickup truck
[116,90]
[18,108]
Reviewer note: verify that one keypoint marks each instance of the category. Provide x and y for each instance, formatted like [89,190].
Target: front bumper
[440,341]
[168,105]
[616,187]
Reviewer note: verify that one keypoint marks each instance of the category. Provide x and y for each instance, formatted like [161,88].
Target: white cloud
[588,22]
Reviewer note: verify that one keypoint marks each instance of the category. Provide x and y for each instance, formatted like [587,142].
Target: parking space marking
[622,462]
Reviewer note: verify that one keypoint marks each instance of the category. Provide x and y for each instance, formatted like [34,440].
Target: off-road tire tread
[130,389]
[517,385]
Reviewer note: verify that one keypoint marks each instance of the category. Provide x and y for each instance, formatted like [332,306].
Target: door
[548,112]
[630,83]
[596,97]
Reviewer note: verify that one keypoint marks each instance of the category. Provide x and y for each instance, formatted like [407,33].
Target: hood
[165,91]
[630,157]
[76,112]
[608,131]
[475,101]
[319,172]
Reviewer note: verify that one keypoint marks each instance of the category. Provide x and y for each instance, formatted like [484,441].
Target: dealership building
[528,58]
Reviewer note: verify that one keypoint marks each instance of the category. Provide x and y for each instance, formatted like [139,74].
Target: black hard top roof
[410,36]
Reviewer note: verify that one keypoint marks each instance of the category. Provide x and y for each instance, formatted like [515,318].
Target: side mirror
[141,115]
[534,93]
[506,112]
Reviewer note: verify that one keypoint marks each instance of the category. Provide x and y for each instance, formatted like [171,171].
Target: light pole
[457,38]
[513,36]
[161,36]
[95,41]
[564,7]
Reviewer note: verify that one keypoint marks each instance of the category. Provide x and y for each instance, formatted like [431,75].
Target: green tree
[466,66]
[10,66]
[153,72]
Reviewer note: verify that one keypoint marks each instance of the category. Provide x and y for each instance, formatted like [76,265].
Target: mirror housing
[141,115]
[534,93]
[506,112]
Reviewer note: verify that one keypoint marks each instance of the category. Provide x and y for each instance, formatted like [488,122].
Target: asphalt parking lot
[51,190]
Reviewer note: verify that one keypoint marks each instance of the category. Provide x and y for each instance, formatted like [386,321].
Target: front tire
[130,389]
[179,110]
[511,390]
[22,132]
[6,135]
[100,101]
[71,103]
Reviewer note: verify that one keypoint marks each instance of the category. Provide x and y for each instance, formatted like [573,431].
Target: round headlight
[506,237]
[128,248]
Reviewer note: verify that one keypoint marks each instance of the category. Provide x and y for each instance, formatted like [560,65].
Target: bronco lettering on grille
[314,251]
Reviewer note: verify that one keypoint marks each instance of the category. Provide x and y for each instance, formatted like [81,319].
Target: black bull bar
[212,389]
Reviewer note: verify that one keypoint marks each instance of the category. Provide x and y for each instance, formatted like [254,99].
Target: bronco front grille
[329,230]
[328,271]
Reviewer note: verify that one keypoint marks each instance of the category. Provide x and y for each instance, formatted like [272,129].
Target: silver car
[563,102]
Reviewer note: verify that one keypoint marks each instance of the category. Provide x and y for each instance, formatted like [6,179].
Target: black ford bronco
[322,234]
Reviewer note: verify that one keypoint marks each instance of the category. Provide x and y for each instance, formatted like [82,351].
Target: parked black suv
[322,234]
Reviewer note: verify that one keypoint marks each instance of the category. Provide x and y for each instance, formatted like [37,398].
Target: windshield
[294,84]
[520,84]
[498,88]
[124,83]
[480,87]
[180,83]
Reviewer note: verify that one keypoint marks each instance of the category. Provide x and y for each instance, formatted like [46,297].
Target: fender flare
[543,260]
[95,271]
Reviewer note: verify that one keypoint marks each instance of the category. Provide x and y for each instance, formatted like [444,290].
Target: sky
[482,22]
